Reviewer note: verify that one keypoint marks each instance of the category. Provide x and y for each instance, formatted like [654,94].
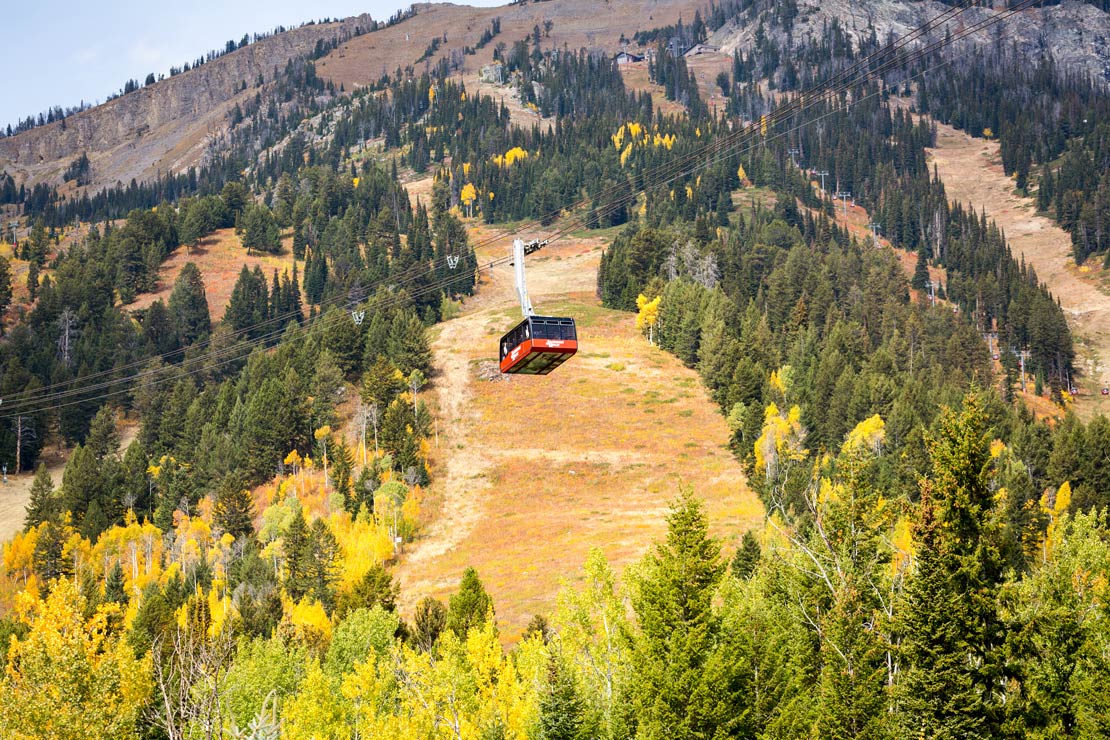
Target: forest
[228,572]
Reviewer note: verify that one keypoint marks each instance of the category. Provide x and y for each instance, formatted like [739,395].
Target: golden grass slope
[532,472]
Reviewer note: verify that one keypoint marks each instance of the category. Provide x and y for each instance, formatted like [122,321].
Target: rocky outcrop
[171,111]
[1076,34]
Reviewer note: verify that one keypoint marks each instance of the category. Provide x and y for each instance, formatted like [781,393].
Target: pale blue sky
[59,53]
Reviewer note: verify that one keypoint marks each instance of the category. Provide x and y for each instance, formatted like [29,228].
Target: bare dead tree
[190,670]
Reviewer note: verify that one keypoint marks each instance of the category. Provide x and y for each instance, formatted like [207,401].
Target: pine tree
[189,306]
[5,286]
[562,710]
[674,695]
[376,588]
[43,504]
[920,279]
[321,563]
[115,589]
[747,556]
[952,673]
[295,546]
[233,510]
[429,622]
[470,607]
[103,439]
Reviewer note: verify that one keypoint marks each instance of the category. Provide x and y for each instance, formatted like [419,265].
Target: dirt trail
[971,171]
[532,472]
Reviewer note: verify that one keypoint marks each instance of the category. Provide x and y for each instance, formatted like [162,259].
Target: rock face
[1076,34]
[162,127]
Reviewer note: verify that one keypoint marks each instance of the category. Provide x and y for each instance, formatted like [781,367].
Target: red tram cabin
[538,345]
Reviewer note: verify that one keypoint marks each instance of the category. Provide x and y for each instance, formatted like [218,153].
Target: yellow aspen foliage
[466,168]
[462,96]
[491,195]
[780,441]
[66,678]
[369,692]
[468,195]
[689,192]
[697,132]
[867,435]
[780,381]
[902,544]
[648,315]
[516,154]
[362,544]
[136,547]
[19,554]
[740,173]
[625,154]
[763,124]
[354,181]
[1056,507]
[432,95]
[309,620]
[988,133]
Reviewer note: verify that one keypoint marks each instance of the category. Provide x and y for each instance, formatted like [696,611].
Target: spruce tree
[188,305]
[5,287]
[920,279]
[952,673]
[294,546]
[233,510]
[115,590]
[747,556]
[43,504]
[562,709]
[429,622]
[674,695]
[470,607]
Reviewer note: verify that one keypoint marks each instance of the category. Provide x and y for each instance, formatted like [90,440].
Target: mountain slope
[164,127]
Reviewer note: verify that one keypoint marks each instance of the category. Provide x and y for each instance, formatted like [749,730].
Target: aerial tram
[538,344]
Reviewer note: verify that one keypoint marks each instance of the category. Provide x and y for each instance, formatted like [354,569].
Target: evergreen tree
[921,272]
[259,229]
[115,590]
[562,710]
[321,563]
[189,306]
[746,559]
[103,440]
[294,546]
[952,674]
[233,510]
[470,607]
[5,286]
[376,588]
[674,694]
[43,505]
[429,622]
